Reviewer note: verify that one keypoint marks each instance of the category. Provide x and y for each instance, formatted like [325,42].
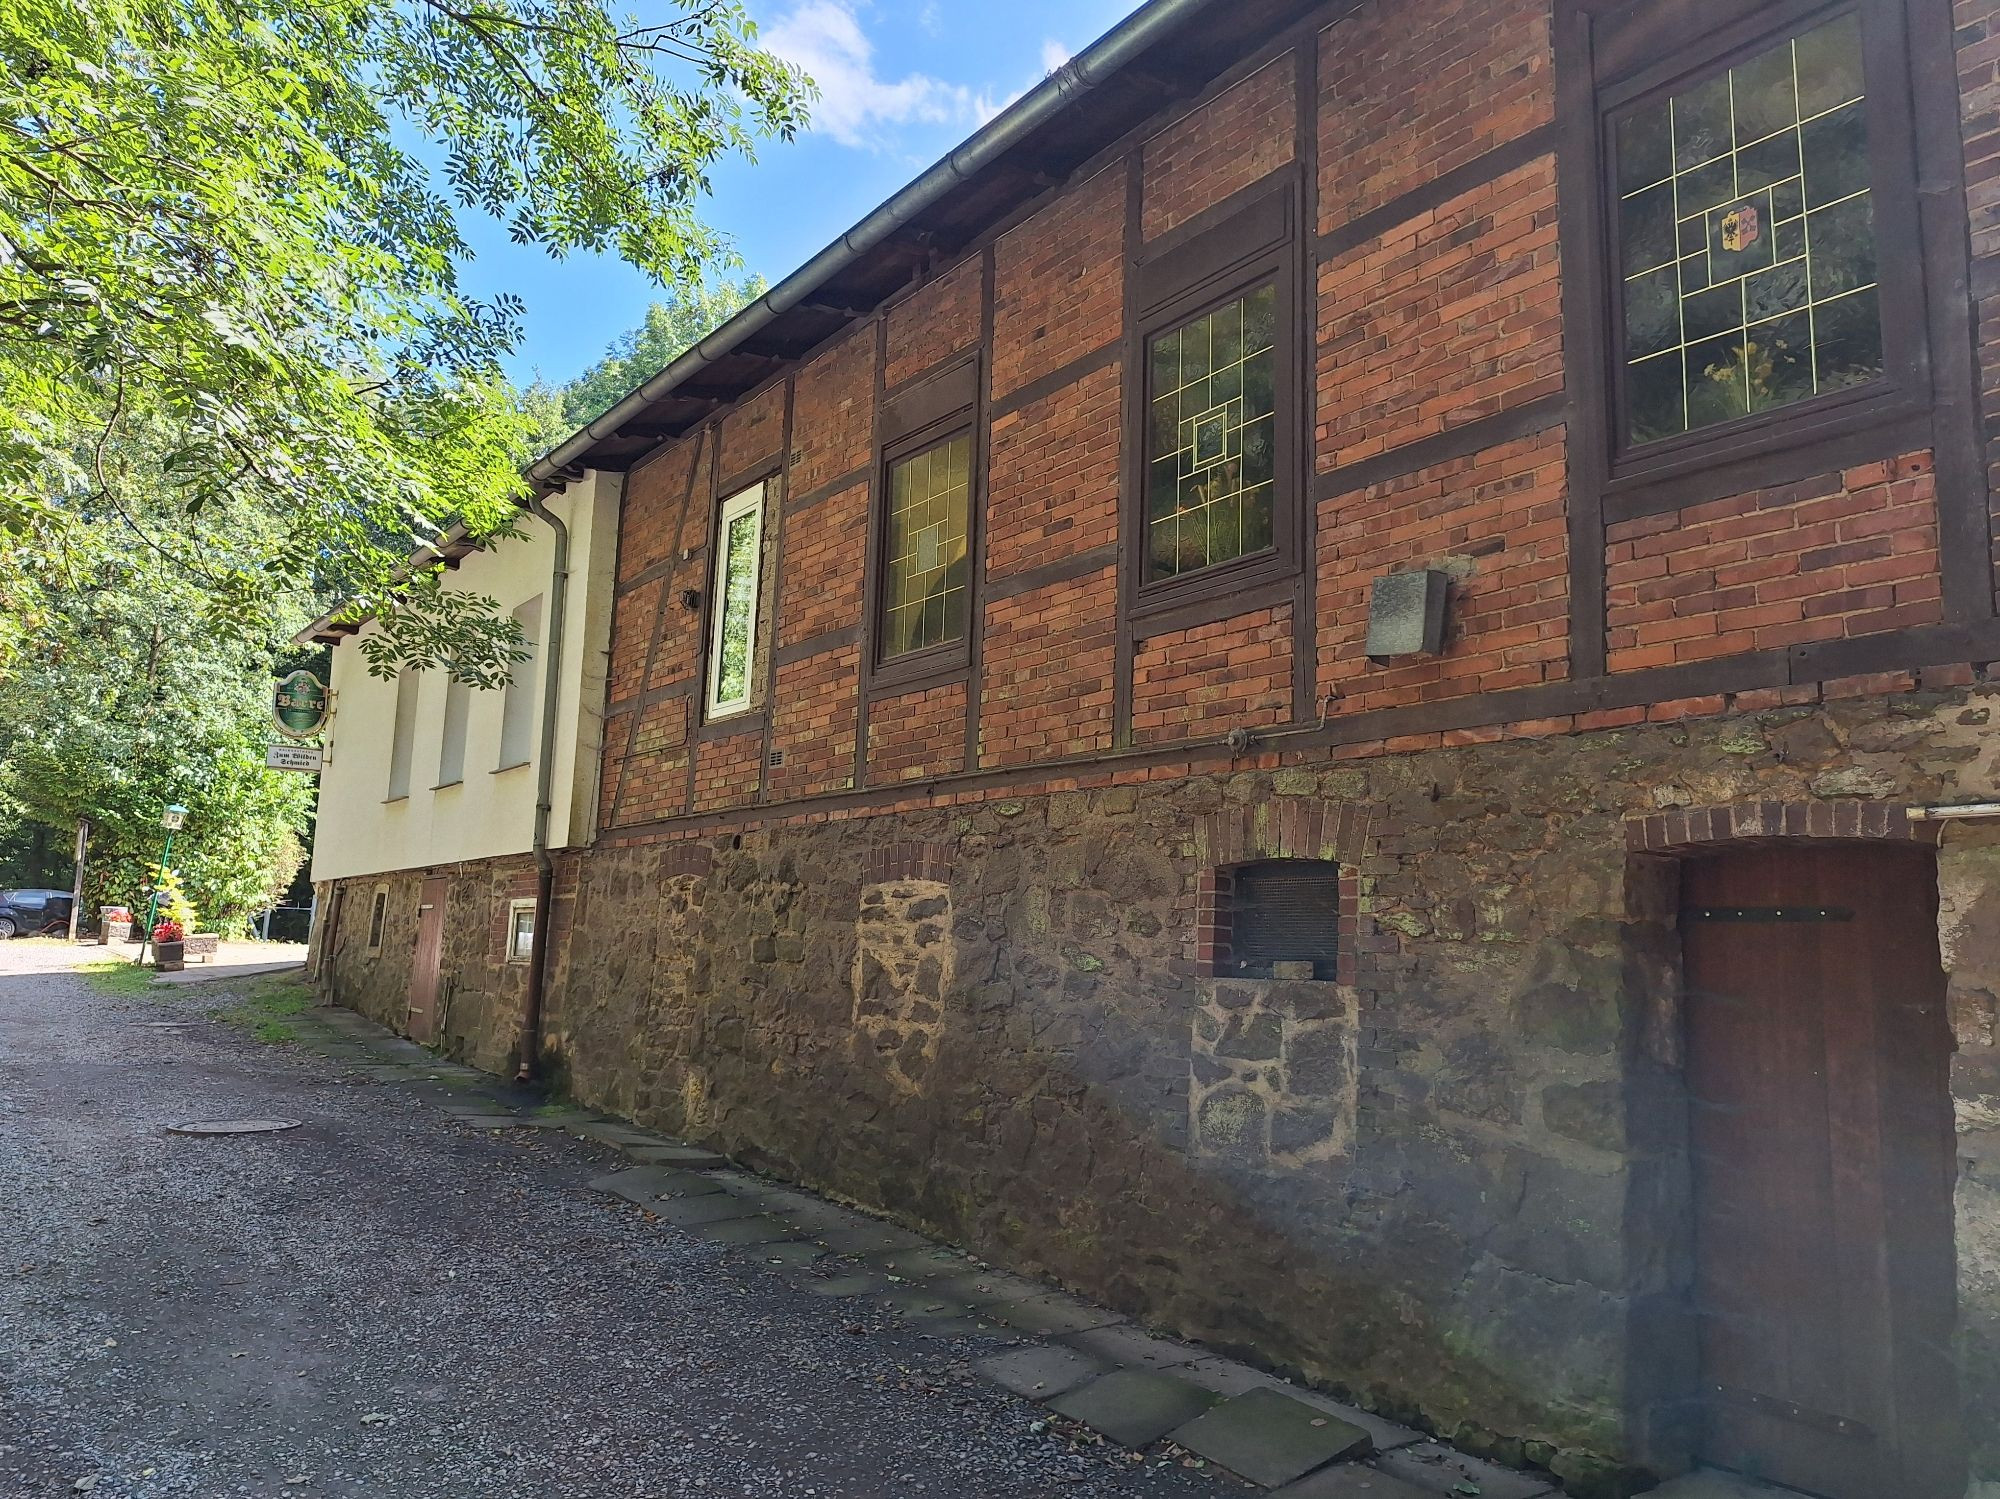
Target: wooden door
[424,967]
[1818,1055]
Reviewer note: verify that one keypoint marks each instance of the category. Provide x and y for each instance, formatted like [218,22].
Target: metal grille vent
[1286,911]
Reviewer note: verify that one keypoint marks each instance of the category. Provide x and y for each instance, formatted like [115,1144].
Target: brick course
[1410,92]
[833,413]
[813,723]
[1046,683]
[1497,520]
[1832,557]
[1237,138]
[826,549]
[753,431]
[1059,283]
[936,322]
[727,772]
[1453,316]
[1053,486]
[914,735]
[1208,679]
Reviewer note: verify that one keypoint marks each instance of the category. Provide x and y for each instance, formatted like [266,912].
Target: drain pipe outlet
[545,779]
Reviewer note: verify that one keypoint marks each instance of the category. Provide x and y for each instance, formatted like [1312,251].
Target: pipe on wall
[545,775]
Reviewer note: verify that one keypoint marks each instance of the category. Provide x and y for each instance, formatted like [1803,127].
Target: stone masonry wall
[1456,1189]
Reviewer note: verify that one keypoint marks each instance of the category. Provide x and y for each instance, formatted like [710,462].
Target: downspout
[545,778]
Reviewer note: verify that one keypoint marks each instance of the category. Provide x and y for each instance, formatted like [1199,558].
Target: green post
[171,820]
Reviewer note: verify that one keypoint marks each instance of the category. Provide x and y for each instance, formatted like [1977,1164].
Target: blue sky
[903,81]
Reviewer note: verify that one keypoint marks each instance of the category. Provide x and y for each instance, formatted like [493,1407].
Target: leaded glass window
[1747,239]
[739,561]
[924,582]
[1211,444]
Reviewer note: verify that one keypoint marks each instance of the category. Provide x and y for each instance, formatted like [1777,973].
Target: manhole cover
[233,1127]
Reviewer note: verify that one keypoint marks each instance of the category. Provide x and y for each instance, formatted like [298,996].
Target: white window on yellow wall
[517,706]
[451,752]
[520,930]
[403,741]
[732,647]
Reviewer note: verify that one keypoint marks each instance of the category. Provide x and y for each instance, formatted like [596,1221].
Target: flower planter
[169,957]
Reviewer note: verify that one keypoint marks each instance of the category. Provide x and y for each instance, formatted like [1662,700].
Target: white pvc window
[732,646]
[520,931]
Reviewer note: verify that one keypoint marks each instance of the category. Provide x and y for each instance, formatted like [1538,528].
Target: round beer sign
[298,705]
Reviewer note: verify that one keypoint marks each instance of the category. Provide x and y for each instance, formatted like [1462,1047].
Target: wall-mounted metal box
[1406,614]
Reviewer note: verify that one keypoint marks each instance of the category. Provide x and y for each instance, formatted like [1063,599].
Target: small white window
[451,754]
[517,708]
[520,931]
[378,914]
[404,741]
[732,647]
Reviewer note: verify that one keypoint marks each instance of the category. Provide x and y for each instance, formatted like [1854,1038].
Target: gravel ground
[388,1302]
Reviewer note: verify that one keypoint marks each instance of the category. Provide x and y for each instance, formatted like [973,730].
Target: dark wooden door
[1818,1055]
[424,967]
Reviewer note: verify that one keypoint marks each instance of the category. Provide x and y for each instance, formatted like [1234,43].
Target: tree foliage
[132,698]
[228,262]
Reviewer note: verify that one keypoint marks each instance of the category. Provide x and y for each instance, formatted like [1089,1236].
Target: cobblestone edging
[1087,1365]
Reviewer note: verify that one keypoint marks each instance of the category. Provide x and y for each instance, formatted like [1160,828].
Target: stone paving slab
[691,1156]
[488,1121]
[693,1212]
[793,1253]
[759,1228]
[1270,1438]
[1227,1377]
[685,1183]
[990,1288]
[1051,1314]
[1040,1372]
[1130,1348]
[1437,1469]
[1351,1481]
[1134,1407]
[868,1237]
[919,1264]
[917,1302]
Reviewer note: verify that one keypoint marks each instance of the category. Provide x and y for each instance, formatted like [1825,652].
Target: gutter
[1053,96]
[545,775]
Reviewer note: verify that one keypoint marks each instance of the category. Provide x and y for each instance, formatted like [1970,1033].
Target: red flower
[168,931]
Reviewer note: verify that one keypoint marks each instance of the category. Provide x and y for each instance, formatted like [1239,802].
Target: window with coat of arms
[1746,238]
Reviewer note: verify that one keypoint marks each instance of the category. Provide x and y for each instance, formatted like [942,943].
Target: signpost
[299,705]
[295,757]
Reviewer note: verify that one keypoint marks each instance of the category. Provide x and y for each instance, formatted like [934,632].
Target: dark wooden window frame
[728,724]
[934,407]
[1254,238]
[1615,56]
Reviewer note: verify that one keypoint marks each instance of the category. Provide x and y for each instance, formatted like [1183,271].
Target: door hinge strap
[1788,1410]
[1767,913]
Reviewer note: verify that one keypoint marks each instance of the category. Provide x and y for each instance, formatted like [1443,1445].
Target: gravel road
[388,1302]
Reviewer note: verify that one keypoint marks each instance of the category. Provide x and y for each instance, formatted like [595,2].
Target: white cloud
[1054,55]
[856,105]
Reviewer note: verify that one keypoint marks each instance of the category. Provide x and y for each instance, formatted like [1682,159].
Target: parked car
[25,912]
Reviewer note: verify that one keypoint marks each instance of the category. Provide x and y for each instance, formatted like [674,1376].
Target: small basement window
[378,913]
[1283,911]
[520,931]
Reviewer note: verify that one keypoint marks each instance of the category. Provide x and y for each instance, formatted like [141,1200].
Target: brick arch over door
[1691,827]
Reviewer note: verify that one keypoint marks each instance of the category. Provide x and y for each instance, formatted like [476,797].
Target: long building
[1336,687]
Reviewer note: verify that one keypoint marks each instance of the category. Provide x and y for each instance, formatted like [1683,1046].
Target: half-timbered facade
[1309,690]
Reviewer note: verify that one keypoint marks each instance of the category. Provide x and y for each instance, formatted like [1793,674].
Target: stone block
[1134,1407]
[692,1212]
[1227,1377]
[1271,1439]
